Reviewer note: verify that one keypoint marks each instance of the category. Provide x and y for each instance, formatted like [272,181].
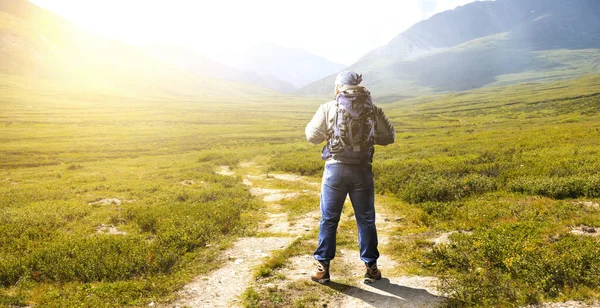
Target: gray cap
[348,78]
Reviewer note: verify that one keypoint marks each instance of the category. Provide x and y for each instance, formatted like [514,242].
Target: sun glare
[218,28]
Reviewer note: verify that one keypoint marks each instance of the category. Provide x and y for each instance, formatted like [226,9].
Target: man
[351,124]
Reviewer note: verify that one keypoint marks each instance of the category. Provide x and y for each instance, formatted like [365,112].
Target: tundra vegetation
[112,199]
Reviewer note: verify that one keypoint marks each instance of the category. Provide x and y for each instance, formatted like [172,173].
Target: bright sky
[339,30]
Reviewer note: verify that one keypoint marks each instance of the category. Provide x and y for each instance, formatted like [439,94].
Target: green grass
[493,160]
[518,263]
[514,161]
[62,151]
[49,226]
[296,207]
[273,289]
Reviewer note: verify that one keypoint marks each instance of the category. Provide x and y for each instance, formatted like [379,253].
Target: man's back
[317,130]
[341,178]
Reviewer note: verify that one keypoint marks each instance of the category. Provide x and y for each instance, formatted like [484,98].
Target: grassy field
[516,167]
[76,167]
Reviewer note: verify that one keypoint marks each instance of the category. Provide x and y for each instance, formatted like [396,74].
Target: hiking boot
[373,273]
[322,274]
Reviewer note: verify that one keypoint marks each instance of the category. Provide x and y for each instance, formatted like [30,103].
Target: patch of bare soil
[10,180]
[106,201]
[187,182]
[444,238]
[383,223]
[222,287]
[247,164]
[347,274]
[586,230]
[224,170]
[272,195]
[109,229]
[391,292]
[279,223]
[284,177]
[589,204]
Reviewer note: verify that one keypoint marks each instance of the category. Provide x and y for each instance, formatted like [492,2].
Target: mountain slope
[37,43]
[482,44]
[293,65]
[195,63]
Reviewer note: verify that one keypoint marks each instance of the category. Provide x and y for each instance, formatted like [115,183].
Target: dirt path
[347,276]
[223,287]
[347,269]
[391,291]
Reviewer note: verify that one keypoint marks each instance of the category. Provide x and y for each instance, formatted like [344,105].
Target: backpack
[352,133]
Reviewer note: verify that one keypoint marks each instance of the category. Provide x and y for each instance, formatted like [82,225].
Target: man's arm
[316,129]
[384,130]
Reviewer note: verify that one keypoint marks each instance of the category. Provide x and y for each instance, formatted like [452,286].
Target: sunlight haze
[341,31]
[229,153]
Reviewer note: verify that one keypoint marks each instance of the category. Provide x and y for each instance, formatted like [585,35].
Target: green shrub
[12,300]
[558,187]
[304,161]
[443,189]
[300,205]
[33,246]
[514,264]
[221,157]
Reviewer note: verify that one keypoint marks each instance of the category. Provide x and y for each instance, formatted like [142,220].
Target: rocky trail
[347,272]
[224,286]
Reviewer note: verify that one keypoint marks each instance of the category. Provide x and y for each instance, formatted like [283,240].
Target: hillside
[293,65]
[192,62]
[484,44]
[36,43]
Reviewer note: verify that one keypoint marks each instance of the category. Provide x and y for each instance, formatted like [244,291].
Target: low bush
[300,205]
[302,160]
[38,245]
[515,264]
[558,187]
[443,189]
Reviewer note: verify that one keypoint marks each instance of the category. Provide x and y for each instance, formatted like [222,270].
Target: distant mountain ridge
[484,43]
[190,61]
[294,65]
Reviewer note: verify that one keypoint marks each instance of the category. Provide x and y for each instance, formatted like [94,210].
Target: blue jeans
[340,180]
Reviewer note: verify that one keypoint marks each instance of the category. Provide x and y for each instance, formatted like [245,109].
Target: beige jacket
[317,128]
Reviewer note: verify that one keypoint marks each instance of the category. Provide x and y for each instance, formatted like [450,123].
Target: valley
[153,176]
[519,161]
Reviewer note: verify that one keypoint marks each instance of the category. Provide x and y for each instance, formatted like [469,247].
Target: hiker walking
[351,124]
